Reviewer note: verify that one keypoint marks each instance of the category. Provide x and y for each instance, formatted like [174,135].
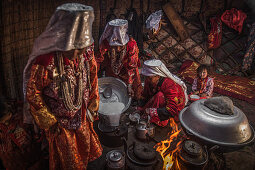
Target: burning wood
[168,149]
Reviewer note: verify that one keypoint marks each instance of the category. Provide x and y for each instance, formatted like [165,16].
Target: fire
[168,156]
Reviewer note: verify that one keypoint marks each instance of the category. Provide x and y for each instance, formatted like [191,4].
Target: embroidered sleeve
[38,80]
[93,104]
[132,52]
[100,56]
[171,97]
[209,88]
[170,91]
[194,85]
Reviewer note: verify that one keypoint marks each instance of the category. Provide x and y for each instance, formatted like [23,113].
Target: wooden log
[176,21]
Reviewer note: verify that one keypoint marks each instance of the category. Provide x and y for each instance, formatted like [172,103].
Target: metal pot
[113,90]
[192,156]
[115,160]
[216,128]
[143,130]
[112,137]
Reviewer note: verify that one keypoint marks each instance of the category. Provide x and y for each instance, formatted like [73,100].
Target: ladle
[107,92]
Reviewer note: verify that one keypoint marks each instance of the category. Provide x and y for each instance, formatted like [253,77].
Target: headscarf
[116,33]
[153,20]
[156,67]
[69,28]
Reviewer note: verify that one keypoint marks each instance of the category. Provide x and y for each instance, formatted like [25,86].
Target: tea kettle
[144,129]
[115,160]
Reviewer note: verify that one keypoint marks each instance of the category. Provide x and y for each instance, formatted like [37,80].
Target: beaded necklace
[65,84]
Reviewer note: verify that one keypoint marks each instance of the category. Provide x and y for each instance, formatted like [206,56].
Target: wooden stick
[176,21]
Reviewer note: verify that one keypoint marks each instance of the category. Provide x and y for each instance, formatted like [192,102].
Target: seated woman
[203,84]
[119,56]
[164,93]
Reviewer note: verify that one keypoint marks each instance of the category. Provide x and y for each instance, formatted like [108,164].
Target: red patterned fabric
[234,19]
[75,143]
[235,86]
[214,38]
[171,97]
[157,101]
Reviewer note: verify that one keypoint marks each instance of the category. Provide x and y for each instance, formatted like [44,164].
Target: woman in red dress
[119,56]
[164,93]
[61,87]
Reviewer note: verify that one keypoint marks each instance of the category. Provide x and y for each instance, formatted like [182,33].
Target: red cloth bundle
[234,19]
[214,38]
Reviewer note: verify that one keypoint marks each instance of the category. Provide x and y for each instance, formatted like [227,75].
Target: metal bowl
[216,128]
[119,92]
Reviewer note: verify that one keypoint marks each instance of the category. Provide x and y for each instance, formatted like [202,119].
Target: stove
[142,156]
[112,136]
[192,155]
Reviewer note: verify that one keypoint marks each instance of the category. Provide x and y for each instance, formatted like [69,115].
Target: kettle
[115,160]
[144,129]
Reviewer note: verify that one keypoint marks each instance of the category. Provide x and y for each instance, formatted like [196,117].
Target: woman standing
[60,85]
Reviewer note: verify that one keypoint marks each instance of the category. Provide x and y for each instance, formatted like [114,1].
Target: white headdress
[153,20]
[156,67]
[116,33]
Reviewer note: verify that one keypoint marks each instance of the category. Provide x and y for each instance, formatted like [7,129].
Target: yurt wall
[23,21]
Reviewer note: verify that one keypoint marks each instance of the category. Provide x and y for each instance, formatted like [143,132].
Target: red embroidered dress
[165,101]
[77,143]
[127,69]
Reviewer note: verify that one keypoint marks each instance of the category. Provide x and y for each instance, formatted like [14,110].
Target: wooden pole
[176,21]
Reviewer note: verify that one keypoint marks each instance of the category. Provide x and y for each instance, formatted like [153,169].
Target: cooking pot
[114,100]
[112,136]
[216,128]
[115,160]
[144,129]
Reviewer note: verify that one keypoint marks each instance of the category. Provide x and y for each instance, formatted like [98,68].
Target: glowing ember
[163,147]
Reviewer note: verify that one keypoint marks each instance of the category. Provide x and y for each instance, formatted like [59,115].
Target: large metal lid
[217,128]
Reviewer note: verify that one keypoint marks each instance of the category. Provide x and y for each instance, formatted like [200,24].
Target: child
[203,84]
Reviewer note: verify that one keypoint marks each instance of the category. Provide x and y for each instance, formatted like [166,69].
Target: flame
[162,147]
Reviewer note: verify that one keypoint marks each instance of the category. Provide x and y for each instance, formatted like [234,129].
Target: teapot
[115,160]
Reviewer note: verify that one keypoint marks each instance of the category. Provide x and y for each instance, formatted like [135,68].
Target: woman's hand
[130,91]
[203,95]
[196,93]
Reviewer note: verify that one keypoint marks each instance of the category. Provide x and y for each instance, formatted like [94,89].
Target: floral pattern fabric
[75,143]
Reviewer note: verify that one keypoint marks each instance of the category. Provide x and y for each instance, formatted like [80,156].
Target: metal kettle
[144,129]
[115,160]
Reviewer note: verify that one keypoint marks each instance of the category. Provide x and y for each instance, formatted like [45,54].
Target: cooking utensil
[134,117]
[115,160]
[112,137]
[107,92]
[192,155]
[217,128]
[118,90]
[143,129]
